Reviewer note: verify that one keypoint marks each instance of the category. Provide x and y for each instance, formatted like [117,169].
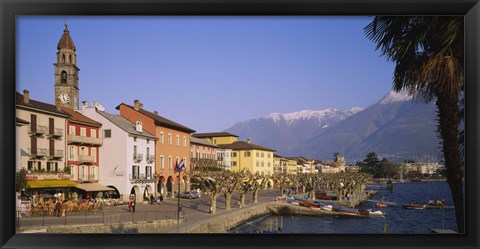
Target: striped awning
[93,187]
[51,184]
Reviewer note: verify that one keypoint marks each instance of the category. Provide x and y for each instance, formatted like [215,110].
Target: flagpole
[178,204]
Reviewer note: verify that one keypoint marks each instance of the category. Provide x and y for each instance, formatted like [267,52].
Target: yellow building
[255,158]
[292,166]
[217,137]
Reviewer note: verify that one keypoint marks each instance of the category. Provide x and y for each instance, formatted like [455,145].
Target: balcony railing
[137,157]
[39,152]
[56,154]
[150,158]
[38,130]
[134,177]
[75,139]
[57,132]
[86,159]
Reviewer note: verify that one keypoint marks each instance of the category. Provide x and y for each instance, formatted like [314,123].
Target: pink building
[202,153]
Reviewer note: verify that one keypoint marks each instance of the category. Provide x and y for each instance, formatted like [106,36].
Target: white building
[224,157]
[128,154]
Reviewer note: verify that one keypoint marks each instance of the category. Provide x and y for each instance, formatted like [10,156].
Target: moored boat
[345,210]
[414,206]
[380,204]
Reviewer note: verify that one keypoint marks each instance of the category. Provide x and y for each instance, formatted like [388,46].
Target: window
[258,163]
[178,140]
[83,131]
[170,139]
[93,152]
[169,162]
[262,154]
[148,172]
[162,165]
[81,174]
[234,154]
[107,133]
[234,163]
[72,155]
[268,164]
[83,151]
[184,141]
[134,151]
[161,137]
[135,172]
[148,151]
[246,154]
[258,154]
[134,139]
[49,166]
[148,141]
[93,172]
[93,133]
[71,130]
[263,164]
[269,155]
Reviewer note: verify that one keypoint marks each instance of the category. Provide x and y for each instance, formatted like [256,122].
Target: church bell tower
[66,72]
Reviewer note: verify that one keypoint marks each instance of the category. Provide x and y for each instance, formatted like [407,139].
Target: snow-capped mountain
[284,132]
[396,127]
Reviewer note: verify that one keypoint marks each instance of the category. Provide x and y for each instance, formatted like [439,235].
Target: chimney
[58,105]
[248,140]
[156,113]
[84,103]
[26,96]
[136,104]
[138,126]
[140,106]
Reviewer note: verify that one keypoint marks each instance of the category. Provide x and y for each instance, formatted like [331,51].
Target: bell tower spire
[66,71]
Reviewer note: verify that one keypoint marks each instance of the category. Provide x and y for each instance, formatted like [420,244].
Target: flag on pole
[180,166]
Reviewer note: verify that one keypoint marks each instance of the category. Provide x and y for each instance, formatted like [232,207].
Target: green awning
[51,184]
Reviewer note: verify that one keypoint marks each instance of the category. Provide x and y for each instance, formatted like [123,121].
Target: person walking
[133,206]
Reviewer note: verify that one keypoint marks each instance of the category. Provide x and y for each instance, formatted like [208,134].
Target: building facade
[128,164]
[255,158]
[172,145]
[217,137]
[202,154]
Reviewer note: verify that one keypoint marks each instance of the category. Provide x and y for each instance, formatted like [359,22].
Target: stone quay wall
[125,228]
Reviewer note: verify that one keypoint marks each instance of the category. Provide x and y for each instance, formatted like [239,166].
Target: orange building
[172,145]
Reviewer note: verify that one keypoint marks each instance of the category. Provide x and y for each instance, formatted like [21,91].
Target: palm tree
[428,53]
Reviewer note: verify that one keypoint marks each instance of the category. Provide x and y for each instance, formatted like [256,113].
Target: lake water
[398,220]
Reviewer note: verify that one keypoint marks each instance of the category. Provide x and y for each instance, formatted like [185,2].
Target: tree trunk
[282,189]
[255,196]
[448,126]
[228,200]
[213,204]
[242,199]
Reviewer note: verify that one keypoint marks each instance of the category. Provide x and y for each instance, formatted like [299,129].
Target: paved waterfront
[195,210]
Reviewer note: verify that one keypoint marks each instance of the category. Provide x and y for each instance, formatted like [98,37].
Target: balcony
[56,133]
[56,154]
[86,159]
[141,178]
[137,157]
[74,139]
[38,130]
[150,158]
[38,152]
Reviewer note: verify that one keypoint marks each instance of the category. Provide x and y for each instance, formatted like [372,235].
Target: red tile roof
[66,41]
[159,120]
[38,105]
[242,145]
[78,117]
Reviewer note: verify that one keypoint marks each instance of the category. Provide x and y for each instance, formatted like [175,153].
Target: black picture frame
[12,8]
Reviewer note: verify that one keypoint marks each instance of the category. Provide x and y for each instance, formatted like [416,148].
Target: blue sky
[208,72]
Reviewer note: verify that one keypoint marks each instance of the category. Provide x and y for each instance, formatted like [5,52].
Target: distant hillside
[395,127]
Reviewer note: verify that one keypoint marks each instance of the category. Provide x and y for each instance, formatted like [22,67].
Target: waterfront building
[202,154]
[224,157]
[172,145]
[128,154]
[246,155]
[41,144]
[292,167]
[279,164]
[217,137]
[83,153]
[421,167]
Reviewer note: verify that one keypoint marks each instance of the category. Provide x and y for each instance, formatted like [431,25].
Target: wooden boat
[380,205]
[310,204]
[414,206]
[345,210]
[324,206]
[375,213]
